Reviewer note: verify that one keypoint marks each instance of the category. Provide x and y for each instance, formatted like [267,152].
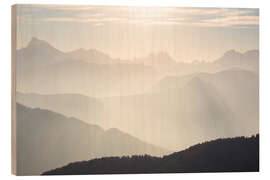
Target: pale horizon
[147,55]
[187,34]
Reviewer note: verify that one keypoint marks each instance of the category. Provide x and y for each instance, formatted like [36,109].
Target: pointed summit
[34,39]
[37,42]
[40,52]
[42,46]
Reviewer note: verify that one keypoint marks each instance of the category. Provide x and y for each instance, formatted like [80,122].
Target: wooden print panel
[122,89]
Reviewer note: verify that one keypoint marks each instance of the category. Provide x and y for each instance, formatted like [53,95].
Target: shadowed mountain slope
[46,140]
[82,107]
[222,155]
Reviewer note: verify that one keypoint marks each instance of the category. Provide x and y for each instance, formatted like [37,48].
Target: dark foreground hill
[222,155]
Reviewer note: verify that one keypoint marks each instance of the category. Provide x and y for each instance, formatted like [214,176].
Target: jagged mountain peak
[34,42]
[231,53]
[42,48]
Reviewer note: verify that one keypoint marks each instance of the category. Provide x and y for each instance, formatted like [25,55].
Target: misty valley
[84,112]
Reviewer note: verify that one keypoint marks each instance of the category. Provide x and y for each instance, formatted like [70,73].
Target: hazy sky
[187,34]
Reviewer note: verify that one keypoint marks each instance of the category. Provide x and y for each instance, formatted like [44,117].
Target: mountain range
[82,96]
[223,104]
[47,140]
[96,74]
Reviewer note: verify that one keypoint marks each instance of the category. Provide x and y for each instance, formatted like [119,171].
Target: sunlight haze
[187,34]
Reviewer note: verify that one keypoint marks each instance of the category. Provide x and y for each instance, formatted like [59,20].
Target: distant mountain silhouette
[82,107]
[66,73]
[38,53]
[161,61]
[223,104]
[236,87]
[238,154]
[92,72]
[92,56]
[46,140]
[248,60]
[214,105]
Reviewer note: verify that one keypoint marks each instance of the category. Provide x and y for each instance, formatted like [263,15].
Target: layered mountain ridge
[222,104]
[93,72]
[47,139]
[88,100]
